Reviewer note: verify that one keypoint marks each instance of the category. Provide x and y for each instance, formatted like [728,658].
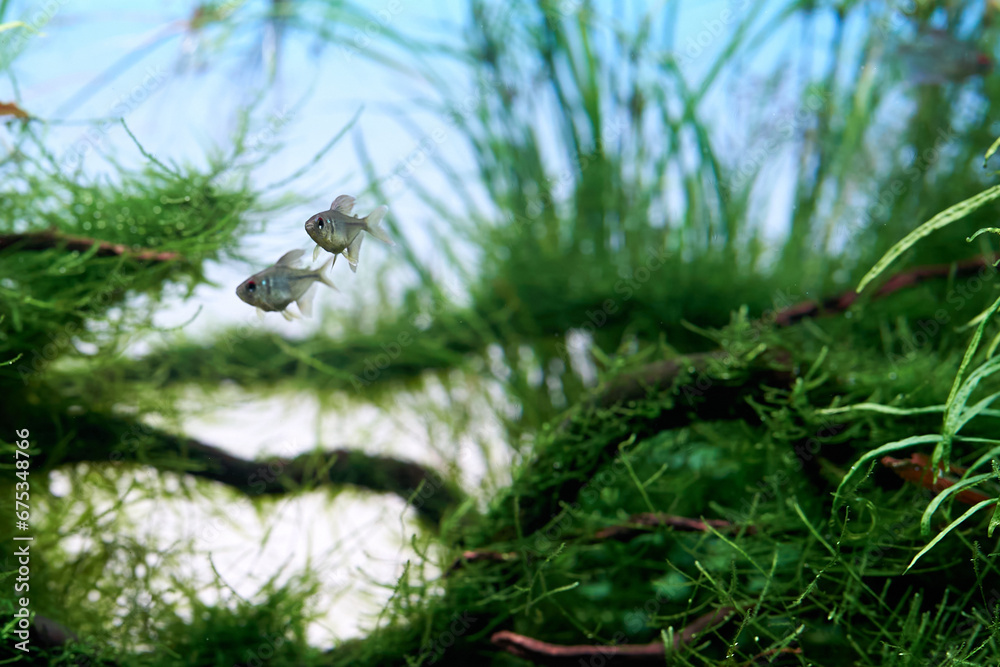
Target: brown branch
[918,470]
[901,280]
[51,238]
[100,438]
[480,556]
[425,490]
[558,655]
[637,522]
[623,532]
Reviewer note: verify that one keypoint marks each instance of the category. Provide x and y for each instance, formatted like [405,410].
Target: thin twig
[636,524]
[901,280]
[558,655]
[54,239]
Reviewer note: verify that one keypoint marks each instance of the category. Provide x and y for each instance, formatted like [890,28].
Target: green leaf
[942,219]
[884,449]
[951,526]
[971,413]
[990,151]
[995,519]
[10,25]
[925,519]
[884,409]
[960,390]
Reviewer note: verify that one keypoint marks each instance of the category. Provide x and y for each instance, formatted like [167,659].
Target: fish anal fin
[305,302]
[353,251]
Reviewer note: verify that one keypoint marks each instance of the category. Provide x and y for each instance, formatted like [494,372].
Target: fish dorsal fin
[343,203]
[290,258]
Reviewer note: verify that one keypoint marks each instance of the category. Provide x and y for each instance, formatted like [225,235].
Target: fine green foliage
[621,320]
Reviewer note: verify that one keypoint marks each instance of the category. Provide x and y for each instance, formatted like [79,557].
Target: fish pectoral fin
[260,313]
[290,258]
[287,315]
[343,203]
[353,251]
[305,302]
[316,251]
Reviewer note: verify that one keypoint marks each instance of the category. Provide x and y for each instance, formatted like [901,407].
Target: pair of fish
[336,231]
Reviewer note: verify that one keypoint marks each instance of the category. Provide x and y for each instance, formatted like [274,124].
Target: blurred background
[574,188]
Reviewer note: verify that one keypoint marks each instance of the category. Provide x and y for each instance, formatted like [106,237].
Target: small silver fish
[276,287]
[935,57]
[339,232]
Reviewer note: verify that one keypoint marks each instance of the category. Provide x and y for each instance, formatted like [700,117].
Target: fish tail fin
[353,251]
[372,225]
[321,273]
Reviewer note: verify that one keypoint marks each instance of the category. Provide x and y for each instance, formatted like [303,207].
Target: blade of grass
[940,536]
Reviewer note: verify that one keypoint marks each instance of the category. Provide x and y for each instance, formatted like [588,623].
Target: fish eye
[251,286]
[319,223]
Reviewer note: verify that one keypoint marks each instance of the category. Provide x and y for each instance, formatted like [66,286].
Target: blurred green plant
[608,237]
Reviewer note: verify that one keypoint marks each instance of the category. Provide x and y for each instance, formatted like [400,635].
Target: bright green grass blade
[971,413]
[990,151]
[942,219]
[884,449]
[995,519]
[935,503]
[10,25]
[884,409]
[984,230]
[954,524]
[984,458]
[960,390]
